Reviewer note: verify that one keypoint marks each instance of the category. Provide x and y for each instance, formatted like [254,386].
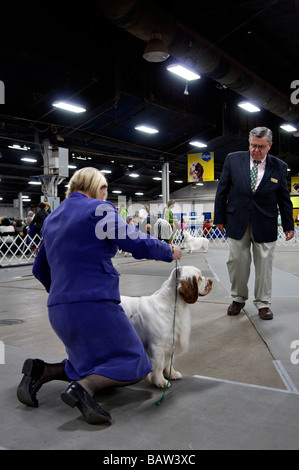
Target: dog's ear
[189,290]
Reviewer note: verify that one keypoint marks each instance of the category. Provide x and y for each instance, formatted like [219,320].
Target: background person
[74,264]
[248,212]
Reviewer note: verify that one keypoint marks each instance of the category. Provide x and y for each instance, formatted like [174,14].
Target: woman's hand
[176,252]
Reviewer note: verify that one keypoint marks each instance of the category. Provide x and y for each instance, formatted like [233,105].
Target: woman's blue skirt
[99,339]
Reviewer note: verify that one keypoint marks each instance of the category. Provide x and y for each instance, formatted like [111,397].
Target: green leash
[173,330]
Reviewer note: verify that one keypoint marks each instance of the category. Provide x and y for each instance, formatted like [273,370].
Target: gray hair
[261,132]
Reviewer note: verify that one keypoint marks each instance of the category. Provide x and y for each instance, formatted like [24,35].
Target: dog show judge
[252,187]
[74,264]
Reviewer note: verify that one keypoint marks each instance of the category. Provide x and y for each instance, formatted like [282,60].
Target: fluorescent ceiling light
[69,107]
[133,175]
[139,194]
[288,127]
[157,178]
[72,166]
[24,196]
[116,191]
[149,130]
[34,182]
[178,181]
[25,159]
[1,198]
[106,171]
[199,184]
[196,143]
[18,147]
[183,72]
[251,108]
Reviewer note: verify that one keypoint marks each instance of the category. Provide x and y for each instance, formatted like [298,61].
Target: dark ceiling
[91,53]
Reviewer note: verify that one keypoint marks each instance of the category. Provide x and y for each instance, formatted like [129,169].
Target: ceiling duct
[139,17]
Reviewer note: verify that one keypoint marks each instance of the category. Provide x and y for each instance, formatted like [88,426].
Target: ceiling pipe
[140,18]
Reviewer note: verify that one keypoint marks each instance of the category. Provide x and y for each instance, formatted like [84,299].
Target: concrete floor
[239,388]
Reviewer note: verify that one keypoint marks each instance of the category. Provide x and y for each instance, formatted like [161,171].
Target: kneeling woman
[74,264]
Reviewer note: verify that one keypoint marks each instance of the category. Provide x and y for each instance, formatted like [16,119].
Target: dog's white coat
[159,327]
[195,243]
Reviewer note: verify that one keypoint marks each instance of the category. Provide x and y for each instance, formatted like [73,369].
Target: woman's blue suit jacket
[236,205]
[79,239]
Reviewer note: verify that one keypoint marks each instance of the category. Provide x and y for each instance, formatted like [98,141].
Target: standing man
[252,187]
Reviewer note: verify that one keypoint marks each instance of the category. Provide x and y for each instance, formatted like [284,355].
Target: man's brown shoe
[235,308]
[265,313]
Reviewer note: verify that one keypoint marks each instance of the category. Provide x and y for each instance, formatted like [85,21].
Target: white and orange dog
[158,328]
[195,243]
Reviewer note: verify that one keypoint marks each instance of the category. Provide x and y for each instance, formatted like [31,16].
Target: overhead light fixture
[155,50]
[199,184]
[183,72]
[288,127]
[69,107]
[72,167]
[178,181]
[139,194]
[147,129]
[196,143]
[133,175]
[106,171]
[157,178]
[18,147]
[116,191]
[25,159]
[34,182]
[251,108]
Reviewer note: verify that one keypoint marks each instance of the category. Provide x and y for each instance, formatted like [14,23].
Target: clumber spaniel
[195,243]
[158,328]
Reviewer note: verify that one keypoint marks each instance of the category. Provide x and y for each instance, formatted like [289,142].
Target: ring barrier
[19,251]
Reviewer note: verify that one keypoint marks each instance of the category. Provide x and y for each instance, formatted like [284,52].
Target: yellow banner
[200,167]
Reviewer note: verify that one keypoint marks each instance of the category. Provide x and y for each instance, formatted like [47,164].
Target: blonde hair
[89,180]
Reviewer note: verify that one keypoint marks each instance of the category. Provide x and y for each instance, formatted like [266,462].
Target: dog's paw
[162,383]
[175,375]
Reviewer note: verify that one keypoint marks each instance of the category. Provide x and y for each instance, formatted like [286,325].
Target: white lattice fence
[20,251]
[216,239]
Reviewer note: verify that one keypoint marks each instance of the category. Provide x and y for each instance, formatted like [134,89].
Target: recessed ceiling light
[183,72]
[288,127]
[25,159]
[251,108]
[196,143]
[133,175]
[147,129]
[69,107]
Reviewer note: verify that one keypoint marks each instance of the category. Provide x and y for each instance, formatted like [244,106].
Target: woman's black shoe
[76,395]
[33,370]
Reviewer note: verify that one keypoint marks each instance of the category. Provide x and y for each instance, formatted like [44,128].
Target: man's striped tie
[253,175]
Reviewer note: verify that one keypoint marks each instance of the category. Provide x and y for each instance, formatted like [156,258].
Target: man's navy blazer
[236,205]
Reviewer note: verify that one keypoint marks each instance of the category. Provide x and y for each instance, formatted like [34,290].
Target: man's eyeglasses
[260,147]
